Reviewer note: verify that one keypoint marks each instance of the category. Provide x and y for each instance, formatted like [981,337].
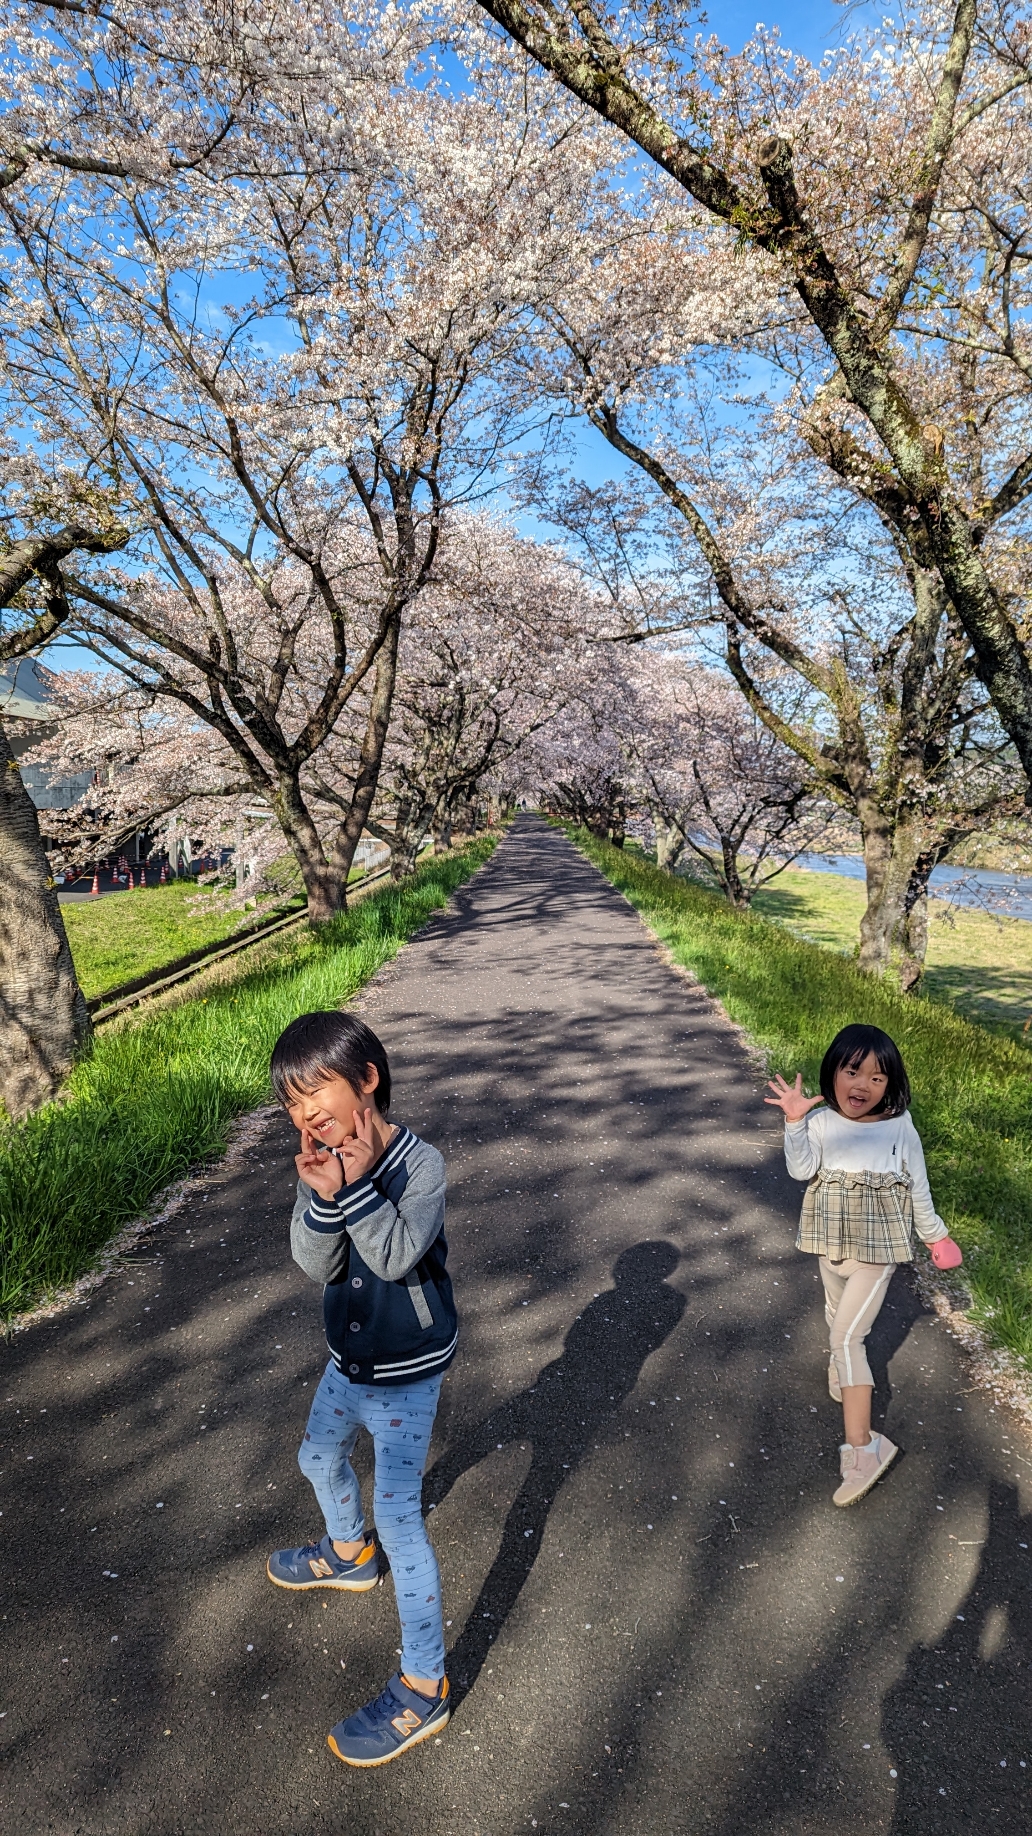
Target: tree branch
[938,142]
[39,556]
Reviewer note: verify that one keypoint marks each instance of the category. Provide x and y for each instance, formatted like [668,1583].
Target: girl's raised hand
[319,1169]
[790,1098]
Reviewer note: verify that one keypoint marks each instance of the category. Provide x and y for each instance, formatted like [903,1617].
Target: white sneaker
[862,1467]
[834,1386]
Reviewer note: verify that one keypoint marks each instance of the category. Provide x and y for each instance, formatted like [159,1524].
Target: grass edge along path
[972,1089]
[157,1096]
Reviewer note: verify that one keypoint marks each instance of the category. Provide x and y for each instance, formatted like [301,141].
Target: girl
[868,1193]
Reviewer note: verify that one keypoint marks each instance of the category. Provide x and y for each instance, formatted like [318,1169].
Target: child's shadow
[893,1326]
[560,1418]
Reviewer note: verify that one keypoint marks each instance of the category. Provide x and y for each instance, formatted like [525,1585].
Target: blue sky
[810,26]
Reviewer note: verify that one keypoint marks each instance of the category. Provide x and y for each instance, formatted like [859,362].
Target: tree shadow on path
[893,1326]
[958,1723]
[561,1417]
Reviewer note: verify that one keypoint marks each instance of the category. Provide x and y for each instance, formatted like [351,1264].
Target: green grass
[972,1090]
[978,964]
[126,934]
[157,1094]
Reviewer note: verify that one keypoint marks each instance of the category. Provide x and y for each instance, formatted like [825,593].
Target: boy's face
[328,1111]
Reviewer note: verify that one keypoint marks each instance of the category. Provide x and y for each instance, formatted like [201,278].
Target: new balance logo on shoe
[406,1722]
[321,1568]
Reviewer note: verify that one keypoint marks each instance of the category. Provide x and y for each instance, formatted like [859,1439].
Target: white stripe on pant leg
[885,1278]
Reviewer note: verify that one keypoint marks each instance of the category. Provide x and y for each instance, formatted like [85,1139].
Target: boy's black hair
[317,1046]
[850,1047]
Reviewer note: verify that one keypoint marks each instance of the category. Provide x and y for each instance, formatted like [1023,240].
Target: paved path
[658,1623]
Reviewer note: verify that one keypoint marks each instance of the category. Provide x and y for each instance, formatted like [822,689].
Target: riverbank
[979,964]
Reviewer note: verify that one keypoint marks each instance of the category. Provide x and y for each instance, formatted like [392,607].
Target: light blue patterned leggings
[400,1422]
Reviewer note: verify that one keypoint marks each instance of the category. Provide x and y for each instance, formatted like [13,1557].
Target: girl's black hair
[315,1047]
[850,1048]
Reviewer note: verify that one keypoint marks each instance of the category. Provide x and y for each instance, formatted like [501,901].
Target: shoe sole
[439,1722]
[855,1497]
[342,1585]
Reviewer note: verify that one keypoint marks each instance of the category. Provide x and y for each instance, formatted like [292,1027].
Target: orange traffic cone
[132,884]
[95,888]
[143,876]
[164,875]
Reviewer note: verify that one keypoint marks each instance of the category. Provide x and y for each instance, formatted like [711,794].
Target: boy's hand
[790,1098]
[318,1168]
[360,1151]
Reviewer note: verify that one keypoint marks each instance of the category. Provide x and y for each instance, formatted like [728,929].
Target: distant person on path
[868,1193]
[369,1224]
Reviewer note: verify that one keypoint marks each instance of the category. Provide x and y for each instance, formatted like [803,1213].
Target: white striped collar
[396,1151]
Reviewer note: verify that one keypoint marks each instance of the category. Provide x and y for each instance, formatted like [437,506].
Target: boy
[369,1224]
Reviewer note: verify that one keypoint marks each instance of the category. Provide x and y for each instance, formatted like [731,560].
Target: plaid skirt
[866,1216]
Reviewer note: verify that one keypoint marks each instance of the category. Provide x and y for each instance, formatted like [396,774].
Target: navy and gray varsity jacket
[380,1249]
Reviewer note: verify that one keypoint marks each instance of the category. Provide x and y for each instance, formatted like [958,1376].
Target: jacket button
[355,1327]
[353,1368]
[356,1281]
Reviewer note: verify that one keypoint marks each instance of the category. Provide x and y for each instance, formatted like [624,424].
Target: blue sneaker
[319,1565]
[398,1719]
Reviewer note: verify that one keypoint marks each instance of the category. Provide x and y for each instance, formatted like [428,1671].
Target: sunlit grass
[157,1094]
[126,934]
[978,963]
[972,1088]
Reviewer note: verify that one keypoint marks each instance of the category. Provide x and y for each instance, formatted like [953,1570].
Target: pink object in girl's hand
[946,1254]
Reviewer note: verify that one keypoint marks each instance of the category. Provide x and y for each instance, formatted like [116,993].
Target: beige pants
[853,1296]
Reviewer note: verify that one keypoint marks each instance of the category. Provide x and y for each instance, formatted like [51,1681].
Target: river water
[1007,894]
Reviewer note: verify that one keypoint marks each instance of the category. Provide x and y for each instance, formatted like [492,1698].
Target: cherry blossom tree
[848,655]
[578,765]
[150,759]
[717,782]
[287,453]
[817,571]
[494,646]
[493,652]
[890,171]
[53,517]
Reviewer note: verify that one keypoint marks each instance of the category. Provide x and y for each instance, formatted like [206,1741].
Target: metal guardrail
[144,988]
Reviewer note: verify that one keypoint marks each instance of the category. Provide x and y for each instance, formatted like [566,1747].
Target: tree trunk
[321,879]
[43,1017]
[914,932]
[669,844]
[403,860]
[370,758]
[890,855]
[618,823]
[736,892]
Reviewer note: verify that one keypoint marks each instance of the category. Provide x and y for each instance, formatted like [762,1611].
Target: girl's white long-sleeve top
[825,1139]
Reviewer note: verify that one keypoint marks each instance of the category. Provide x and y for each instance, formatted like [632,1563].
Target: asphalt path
[657,1621]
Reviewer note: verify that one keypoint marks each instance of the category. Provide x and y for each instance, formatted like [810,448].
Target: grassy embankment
[160,1088]
[126,934]
[972,1088]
